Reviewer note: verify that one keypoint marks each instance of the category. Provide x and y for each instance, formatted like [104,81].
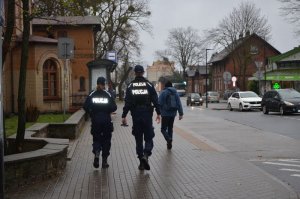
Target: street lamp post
[206,75]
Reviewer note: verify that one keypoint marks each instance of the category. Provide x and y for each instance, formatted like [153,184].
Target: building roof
[38,39]
[65,20]
[201,69]
[285,55]
[226,51]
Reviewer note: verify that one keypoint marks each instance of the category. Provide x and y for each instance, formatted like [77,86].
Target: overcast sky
[206,14]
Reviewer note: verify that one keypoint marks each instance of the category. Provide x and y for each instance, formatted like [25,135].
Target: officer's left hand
[157,119]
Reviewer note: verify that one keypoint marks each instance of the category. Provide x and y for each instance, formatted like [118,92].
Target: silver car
[212,96]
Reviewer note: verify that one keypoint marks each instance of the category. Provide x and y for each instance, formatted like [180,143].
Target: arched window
[81,83]
[50,80]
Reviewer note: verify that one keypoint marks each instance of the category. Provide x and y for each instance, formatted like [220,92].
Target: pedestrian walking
[170,104]
[99,105]
[140,99]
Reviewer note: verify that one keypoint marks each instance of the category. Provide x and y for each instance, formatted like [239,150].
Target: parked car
[228,93]
[282,101]
[244,100]
[194,99]
[212,96]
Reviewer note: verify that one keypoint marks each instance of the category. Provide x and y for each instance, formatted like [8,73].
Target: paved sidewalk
[192,169]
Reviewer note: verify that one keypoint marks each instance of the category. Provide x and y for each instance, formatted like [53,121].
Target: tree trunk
[122,82]
[9,28]
[22,78]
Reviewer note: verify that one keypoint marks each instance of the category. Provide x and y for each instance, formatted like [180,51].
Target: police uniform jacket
[99,105]
[140,95]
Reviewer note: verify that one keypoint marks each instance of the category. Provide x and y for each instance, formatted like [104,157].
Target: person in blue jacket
[140,98]
[168,116]
[99,105]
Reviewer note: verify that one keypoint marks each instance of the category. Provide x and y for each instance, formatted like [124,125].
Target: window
[81,83]
[50,80]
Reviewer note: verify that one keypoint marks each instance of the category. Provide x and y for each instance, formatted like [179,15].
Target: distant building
[284,70]
[196,79]
[239,62]
[159,70]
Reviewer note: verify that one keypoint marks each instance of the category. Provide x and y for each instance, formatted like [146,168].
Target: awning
[293,75]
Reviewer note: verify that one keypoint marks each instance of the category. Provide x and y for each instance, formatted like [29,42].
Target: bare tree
[230,33]
[290,9]
[116,17]
[184,46]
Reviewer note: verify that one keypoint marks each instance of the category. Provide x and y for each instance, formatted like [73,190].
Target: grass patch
[11,123]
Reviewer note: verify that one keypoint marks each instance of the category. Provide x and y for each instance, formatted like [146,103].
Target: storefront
[283,79]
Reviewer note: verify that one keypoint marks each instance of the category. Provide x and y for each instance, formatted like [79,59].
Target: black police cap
[139,69]
[101,80]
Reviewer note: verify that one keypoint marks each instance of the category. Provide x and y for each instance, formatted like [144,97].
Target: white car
[244,100]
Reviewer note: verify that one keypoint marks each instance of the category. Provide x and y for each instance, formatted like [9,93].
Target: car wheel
[281,110]
[265,109]
[240,107]
[229,107]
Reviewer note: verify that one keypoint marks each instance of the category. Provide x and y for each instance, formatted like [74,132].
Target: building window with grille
[81,83]
[50,80]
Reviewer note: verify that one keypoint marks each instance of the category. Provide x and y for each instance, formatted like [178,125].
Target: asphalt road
[287,125]
[284,166]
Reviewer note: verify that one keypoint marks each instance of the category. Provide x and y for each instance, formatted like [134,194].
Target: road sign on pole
[112,56]
[65,48]
[227,76]
[66,52]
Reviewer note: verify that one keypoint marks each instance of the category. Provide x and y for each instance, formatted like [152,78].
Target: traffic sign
[112,56]
[65,48]
[227,76]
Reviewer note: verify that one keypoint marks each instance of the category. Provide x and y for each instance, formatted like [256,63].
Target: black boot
[96,162]
[169,144]
[141,166]
[145,162]
[104,163]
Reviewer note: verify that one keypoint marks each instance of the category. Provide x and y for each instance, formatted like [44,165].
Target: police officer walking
[99,105]
[140,98]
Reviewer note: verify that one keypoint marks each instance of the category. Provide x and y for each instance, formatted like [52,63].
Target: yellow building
[158,70]
[47,75]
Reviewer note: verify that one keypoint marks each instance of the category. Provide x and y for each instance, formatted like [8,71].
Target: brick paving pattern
[186,171]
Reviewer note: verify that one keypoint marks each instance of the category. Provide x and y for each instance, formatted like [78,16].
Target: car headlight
[192,100]
[288,103]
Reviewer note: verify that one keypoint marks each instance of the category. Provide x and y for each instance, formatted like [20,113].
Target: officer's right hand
[124,121]
[157,119]
[180,117]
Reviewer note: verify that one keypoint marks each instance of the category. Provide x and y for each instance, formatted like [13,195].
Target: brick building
[45,71]
[240,62]
[196,79]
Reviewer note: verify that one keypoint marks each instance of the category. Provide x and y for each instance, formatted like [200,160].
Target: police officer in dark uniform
[140,99]
[99,105]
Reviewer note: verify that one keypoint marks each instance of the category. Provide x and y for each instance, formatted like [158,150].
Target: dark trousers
[102,142]
[102,134]
[167,127]
[142,129]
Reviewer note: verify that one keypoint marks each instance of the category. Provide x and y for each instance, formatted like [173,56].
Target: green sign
[276,85]
[283,76]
